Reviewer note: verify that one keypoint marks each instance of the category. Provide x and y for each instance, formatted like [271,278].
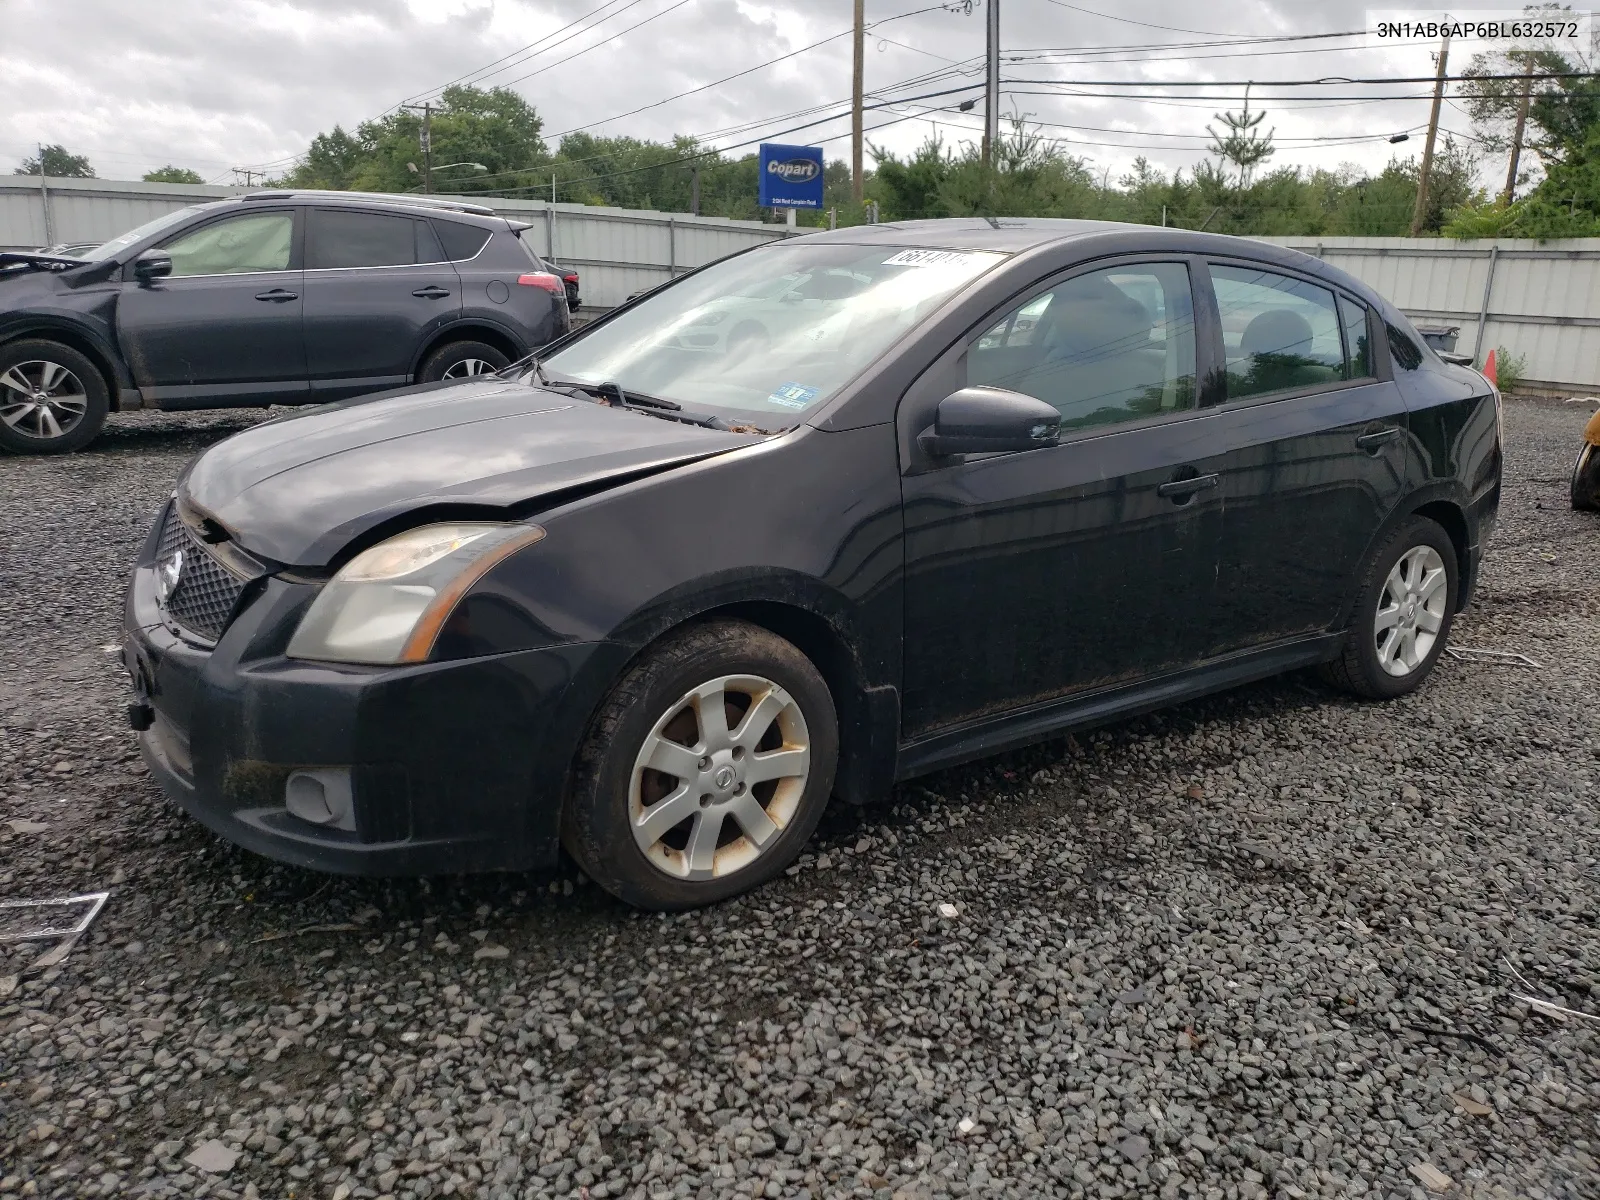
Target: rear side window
[1357,350]
[1403,350]
[460,241]
[1279,333]
[359,239]
[428,248]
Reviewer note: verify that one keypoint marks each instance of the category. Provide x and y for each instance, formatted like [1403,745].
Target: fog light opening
[322,797]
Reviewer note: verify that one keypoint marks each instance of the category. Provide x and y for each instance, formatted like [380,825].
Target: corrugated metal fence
[617,251]
[1541,300]
[1538,299]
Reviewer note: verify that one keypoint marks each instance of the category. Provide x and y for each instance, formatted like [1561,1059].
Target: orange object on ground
[1489,369]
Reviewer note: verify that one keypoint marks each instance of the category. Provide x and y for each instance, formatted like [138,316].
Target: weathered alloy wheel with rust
[706,769]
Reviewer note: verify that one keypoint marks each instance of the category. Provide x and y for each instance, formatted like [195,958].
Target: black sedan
[825,515]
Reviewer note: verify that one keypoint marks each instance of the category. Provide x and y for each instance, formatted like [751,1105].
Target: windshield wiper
[668,410]
[529,361]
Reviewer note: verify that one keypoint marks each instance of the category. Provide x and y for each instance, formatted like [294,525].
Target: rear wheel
[1403,613]
[706,769]
[461,360]
[1586,479]
[52,398]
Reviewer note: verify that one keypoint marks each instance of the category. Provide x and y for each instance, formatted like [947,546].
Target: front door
[224,327]
[376,291]
[1034,575]
[1314,455]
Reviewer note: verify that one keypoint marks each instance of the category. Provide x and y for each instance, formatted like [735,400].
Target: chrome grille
[207,592]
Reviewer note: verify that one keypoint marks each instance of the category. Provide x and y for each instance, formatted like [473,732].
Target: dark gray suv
[276,297]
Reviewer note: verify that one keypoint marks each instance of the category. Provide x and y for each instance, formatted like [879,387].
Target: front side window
[771,334]
[359,239]
[1104,348]
[252,242]
[1278,333]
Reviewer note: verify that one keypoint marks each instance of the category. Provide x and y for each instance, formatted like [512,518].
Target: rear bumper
[455,766]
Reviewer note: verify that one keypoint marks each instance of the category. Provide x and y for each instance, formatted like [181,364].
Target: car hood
[299,489]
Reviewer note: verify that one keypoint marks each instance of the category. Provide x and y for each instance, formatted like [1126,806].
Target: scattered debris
[1556,1012]
[966,1126]
[28,826]
[490,951]
[949,911]
[1507,657]
[1431,1177]
[212,1157]
[1476,1039]
[278,936]
[45,925]
[1470,1106]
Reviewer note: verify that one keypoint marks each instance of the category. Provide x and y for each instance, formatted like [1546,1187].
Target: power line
[1326,81]
[1089,12]
[603,42]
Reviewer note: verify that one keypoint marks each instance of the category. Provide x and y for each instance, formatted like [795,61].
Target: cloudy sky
[218,84]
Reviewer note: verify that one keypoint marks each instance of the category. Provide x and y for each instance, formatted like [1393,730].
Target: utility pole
[427,143]
[44,201]
[1421,211]
[991,91]
[1522,124]
[694,188]
[247,172]
[857,71]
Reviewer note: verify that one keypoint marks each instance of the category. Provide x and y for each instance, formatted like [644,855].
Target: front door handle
[1181,489]
[278,295]
[1378,438]
[432,292]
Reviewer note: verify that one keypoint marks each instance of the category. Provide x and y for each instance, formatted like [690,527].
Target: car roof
[1006,234]
[439,204]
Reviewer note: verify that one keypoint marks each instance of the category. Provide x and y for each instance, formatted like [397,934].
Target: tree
[172,174]
[1244,146]
[58,162]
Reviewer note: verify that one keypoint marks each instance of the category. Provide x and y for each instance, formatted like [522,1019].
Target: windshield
[108,249]
[772,333]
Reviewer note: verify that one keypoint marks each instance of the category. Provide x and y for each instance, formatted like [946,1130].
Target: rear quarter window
[460,240]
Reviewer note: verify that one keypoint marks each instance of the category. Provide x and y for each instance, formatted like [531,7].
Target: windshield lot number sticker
[792,395]
[924,258]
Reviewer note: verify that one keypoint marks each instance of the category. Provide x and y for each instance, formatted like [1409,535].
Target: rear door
[377,288]
[225,327]
[1315,451]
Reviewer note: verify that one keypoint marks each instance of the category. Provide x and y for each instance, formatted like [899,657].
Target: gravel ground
[1256,946]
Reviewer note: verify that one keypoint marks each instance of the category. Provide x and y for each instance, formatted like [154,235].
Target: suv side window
[1278,333]
[234,245]
[460,240]
[358,239]
[1104,348]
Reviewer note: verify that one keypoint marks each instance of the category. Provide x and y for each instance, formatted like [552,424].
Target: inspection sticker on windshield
[926,258]
[792,395]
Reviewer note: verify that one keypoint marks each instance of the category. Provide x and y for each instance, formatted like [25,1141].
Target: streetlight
[428,183]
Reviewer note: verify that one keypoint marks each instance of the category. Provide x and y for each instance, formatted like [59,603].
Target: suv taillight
[540,279]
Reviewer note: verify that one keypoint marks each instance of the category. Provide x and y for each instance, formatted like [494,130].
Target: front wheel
[461,360]
[1402,614]
[52,398]
[706,769]
[1586,479]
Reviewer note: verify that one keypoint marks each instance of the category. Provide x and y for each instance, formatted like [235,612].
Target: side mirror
[152,264]
[986,420]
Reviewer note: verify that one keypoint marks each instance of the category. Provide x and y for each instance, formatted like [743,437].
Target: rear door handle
[1377,438]
[1182,489]
[278,295]
[431,292]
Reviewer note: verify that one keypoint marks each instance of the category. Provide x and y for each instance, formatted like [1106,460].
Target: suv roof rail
[481,210]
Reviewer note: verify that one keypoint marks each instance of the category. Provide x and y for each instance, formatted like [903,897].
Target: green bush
[1508,369]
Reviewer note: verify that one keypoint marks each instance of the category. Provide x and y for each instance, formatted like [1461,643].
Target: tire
[1394,585]
[713,851]
[53,399]
[1586,479]
[461,360]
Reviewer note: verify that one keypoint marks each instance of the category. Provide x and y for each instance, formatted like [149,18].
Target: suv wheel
[705,771]
[461,360]
[52,398]
[1403,613]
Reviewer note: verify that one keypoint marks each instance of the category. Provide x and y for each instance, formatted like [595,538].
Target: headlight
[388,603]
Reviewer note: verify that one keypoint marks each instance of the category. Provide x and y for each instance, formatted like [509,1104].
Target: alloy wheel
[42,400]
[468,367]
[1411,610]
[719,777]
